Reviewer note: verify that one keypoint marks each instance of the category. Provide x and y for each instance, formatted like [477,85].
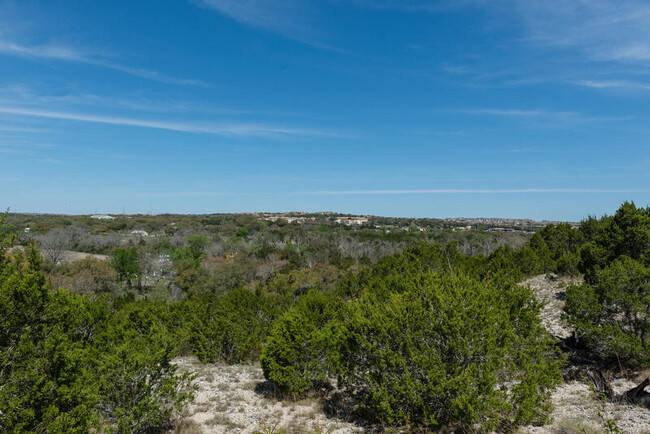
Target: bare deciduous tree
[54,244]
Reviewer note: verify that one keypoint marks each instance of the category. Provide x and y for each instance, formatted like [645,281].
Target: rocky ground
[231,399]
[550,291]
[576,409]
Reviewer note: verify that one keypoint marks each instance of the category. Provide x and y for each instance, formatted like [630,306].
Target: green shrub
[45,380]
[127,264]
[139,388]
[626,233]
[231,275]
[612,316]
[504,261]
[387,276]
[611,312]
[69,363]
[231,327]
[449,352]
[196,245]
[419,344]
[299,350]
[190,276]
[558,240]
[568,264]
[528,261]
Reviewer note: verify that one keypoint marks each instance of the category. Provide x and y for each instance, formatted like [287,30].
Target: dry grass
[225,421]
[576,426]
[185,426]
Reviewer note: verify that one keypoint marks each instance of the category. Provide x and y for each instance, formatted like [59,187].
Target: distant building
[140,232]
[102,217]
[288,219]
[349,221]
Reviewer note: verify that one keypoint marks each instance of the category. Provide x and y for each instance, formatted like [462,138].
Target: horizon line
[478,191]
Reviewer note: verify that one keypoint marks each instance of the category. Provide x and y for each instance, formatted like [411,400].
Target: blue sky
[511,108]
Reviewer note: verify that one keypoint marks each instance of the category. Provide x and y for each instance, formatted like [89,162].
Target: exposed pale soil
[550,291]
[576,410]
[227,402]
[68,256]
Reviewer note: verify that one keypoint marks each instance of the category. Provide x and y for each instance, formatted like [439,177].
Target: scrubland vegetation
[403,324]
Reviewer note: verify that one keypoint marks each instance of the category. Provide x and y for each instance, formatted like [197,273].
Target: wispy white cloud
[142,193]
[443,133]
[204,193]
[293,19]
[420,5]
[222,129]
[571,38]
[301,20]
[71,54]
[185,194]
[25,149]
[24,95]
[569,116]
[18,129]
[25,144]
[611,30]
[475,191]
[48,160]
[277,15]
[147,74]
[54,52]
[8,150]
[510,112]
[522,150]
[613,84]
